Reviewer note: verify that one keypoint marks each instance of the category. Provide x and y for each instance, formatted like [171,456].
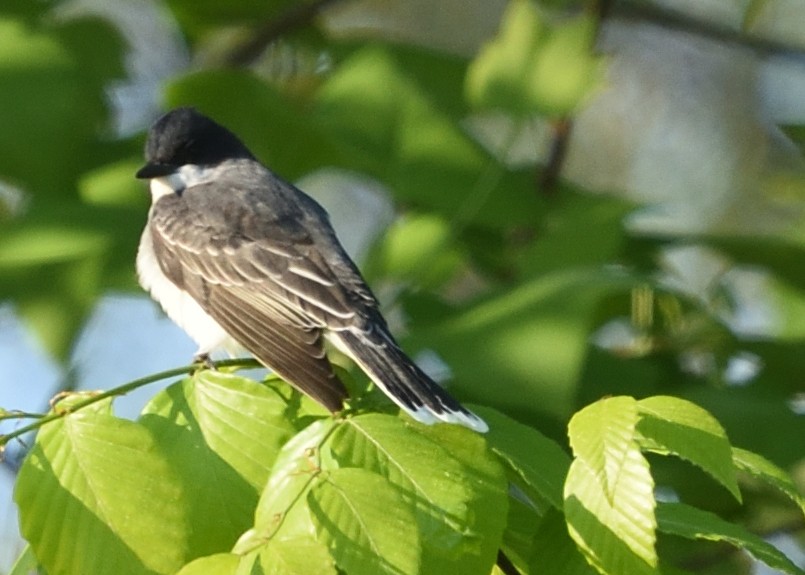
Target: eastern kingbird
[239,257]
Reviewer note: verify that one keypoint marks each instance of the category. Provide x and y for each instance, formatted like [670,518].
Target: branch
[296,17]
[16,414]
[642,11]
[120,390]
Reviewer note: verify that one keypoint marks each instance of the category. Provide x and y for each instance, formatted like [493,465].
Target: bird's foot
[203,361]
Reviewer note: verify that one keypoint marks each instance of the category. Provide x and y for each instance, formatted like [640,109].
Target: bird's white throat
[185,177]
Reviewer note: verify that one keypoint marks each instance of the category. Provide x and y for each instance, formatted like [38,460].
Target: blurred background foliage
[591,198]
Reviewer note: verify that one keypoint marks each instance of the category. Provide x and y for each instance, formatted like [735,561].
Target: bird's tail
[403,381]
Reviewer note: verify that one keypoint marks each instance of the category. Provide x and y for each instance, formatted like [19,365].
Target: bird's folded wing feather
[262,274]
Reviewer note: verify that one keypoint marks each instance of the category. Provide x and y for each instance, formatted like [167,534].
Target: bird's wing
[270,277]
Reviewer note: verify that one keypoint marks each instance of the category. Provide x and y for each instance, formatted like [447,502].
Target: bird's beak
[154,170]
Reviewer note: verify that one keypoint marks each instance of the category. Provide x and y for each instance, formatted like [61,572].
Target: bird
[239,258]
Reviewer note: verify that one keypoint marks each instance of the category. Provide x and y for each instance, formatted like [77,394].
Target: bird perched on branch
[236,255]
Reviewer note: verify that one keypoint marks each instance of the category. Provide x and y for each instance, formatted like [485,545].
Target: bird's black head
[183,136]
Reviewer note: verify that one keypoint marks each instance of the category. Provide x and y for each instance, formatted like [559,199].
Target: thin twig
[121,390]
[16,414]
[645,12]
[296,17]
[548,178]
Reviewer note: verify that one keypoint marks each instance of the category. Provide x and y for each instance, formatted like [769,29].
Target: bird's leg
[203,361]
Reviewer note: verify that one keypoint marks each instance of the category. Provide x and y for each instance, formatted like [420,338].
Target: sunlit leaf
[97,496]
[497,78]
[368,524]
[538,461]
[446,470]
[114,185]
[565,69]
[670,425]
[294,556]
[532,67]
[220,564]
[221,433]
[609,499]
[51,106]
[428,262]
[281,510]
[686,521]
[282,541]
[763,469]
[26,562]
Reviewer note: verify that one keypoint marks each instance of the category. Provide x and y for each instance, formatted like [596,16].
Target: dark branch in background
[561,128]
[505,564]
[548,178]
[653,14]
[298,16]
[641,11]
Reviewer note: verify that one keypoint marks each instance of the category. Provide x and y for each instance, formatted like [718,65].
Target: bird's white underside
[178,304]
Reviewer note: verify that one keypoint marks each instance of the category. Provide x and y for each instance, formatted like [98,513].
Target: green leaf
[219,564]
[530,67]
[756,416]
[96,496]
[26,563]
[281,542]
[429,262]
[763,469]
[602,435]
[495,78]
[523,519]
[388,126]
[200,16]
[692,523]
[281,510]
[533,336]
[565,70]
[599,216]
[53,101]
[553,550]
[113,185]
[221,433]
[458,488]
[538,461]
[367,523]
[294,556]
[609,499]
[669,425]
[244,422]
[39,245]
